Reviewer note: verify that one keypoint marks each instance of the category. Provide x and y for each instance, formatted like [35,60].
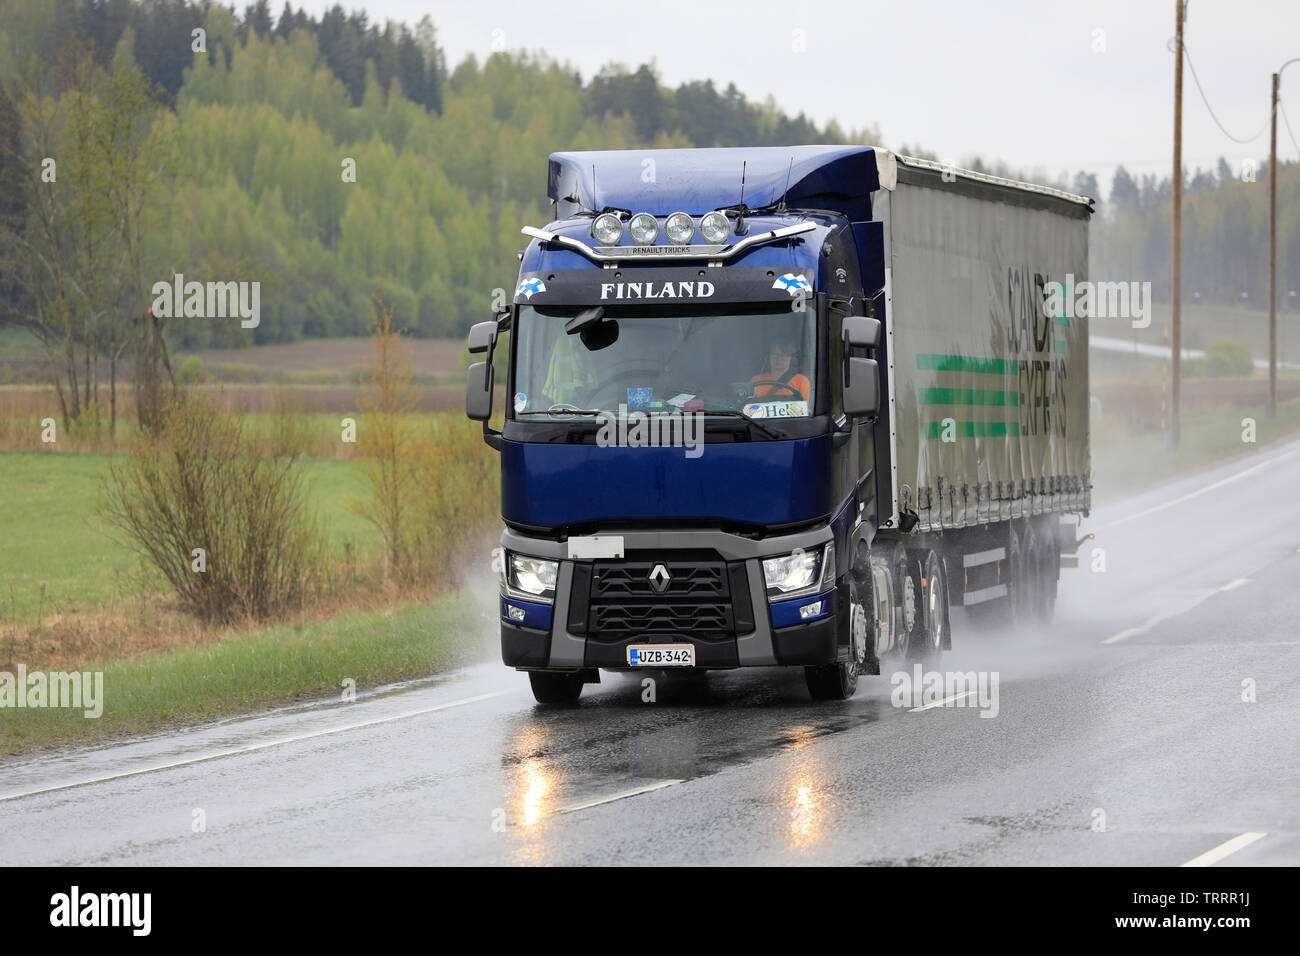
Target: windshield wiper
[721,412]
[561,411]
[732,413]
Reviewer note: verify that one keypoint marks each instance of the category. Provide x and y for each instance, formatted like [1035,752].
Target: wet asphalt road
[1121,737]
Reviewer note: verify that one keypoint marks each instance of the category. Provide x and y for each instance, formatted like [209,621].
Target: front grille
[695,601]
[620,620]
[632,580]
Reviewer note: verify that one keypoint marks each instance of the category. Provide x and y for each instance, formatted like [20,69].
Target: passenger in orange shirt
[781,368]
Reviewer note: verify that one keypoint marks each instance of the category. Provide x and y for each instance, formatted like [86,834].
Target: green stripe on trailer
[966,396]
[1060,346]
[966,363]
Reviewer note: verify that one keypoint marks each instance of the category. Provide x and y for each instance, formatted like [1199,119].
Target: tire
[550,687]
[1025,596]
[1049,563]
[839,681]
[931,633]
[906,575]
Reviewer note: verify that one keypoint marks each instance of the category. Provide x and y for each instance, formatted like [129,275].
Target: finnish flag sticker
[530,286]
[794,284]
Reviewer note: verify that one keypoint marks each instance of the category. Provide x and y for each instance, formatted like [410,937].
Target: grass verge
[262,668]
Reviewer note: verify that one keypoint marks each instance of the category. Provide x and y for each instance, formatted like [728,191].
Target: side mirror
[482,337]
[478,394]
[861,332]
[861,386]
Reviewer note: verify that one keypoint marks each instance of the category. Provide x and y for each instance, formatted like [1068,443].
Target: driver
[569,374]
[782,368]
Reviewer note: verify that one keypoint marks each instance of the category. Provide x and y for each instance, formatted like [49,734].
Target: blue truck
[782,407]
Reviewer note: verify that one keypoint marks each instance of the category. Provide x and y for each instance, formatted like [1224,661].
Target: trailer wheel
[1019,579]
[550,687]
[1048,565]
[927,640]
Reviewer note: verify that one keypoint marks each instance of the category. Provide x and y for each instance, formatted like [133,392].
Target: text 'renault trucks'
[783,406]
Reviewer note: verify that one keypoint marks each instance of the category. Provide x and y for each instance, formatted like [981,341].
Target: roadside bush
[201,484]
[432,490]
[192,372]
[458,497]
[1227,359]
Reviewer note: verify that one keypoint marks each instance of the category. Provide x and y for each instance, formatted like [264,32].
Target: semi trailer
[782,407]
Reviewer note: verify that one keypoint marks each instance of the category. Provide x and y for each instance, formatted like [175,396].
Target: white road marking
[250,748]
[618,796]
[1198,492]
[1161,618]
[940,703]
[1211,857]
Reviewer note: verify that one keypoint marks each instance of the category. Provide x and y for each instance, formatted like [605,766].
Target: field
[58,558]
[434,356]
[1203,324]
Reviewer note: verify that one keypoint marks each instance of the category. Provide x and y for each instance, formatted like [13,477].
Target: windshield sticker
[530,286]
[681,399]
[639,397]
[777,409]
[792,283]
[521,400]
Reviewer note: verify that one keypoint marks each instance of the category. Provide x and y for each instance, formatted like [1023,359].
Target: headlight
[680,228]
[797,572]
[607,229]
[644,228]
[715,227]
[534,576]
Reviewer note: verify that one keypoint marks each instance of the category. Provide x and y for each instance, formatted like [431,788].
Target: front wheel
[556,688]
[839,681]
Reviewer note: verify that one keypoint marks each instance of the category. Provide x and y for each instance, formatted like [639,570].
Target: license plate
[661,655]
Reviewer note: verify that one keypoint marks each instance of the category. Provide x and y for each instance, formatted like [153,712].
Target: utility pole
[1176,298]
[1272,242]
[1272,256]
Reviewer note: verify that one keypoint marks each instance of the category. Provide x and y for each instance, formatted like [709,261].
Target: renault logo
[659,578]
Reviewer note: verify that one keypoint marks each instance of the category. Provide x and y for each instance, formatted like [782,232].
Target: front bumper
[601,608]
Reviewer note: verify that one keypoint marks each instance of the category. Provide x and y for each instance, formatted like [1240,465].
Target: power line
[1187,53]
[1281,107]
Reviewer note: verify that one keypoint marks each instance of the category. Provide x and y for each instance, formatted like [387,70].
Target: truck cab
[691,432]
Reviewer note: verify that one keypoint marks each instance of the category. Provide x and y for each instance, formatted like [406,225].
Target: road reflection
[615,742]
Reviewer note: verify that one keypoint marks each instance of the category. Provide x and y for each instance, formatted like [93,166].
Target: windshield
[756,360]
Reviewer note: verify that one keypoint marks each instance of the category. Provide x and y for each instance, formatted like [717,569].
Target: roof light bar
[696,252]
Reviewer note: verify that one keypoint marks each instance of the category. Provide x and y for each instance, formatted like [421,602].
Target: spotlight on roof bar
[680,228]
[644,228]
[607,229]
[715,227]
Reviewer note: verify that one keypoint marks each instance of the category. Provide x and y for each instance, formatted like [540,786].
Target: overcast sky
[1019,80]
